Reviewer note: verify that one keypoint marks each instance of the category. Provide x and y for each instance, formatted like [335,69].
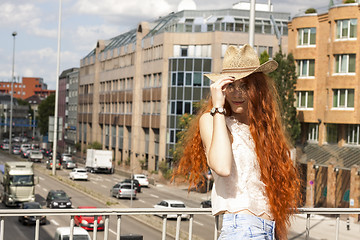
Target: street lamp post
[34,125]
[12,89]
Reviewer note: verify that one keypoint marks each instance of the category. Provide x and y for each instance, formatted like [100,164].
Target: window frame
[299,98]
[345,107]
[300,68]
[337,67]
[302,32]
[339,30]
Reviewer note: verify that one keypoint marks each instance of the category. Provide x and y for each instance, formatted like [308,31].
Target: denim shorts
[245,226]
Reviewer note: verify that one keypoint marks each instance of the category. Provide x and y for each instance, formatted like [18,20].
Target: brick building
[26,87]
[325,46]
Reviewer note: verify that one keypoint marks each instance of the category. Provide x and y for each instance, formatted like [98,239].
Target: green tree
[95,145]
[46,109]
[264,57]
[184,122]
[285,78]
[310,10]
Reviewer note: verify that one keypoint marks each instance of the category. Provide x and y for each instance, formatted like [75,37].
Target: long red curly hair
[272,148]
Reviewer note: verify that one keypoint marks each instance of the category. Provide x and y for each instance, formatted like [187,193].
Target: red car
[87,222]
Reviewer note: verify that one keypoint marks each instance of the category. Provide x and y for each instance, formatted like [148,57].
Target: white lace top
[243,189]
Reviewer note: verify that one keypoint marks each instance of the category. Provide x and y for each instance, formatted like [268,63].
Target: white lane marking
[199,223]
[103,186]
[113,232]
[141,201]
[44,189]
[41,178]
[54,222]
[155,196]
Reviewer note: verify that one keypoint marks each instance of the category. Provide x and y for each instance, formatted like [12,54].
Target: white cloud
[148,8]
[88,35]
[17,14]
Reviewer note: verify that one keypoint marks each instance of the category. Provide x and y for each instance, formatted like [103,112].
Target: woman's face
[236,96]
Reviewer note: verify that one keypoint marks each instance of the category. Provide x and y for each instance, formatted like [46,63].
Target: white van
[63,233]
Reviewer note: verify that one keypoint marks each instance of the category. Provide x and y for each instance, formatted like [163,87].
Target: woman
[240,137]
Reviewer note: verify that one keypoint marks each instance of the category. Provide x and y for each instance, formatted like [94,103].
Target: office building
[134,87]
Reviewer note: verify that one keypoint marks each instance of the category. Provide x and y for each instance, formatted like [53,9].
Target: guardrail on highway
[119,212]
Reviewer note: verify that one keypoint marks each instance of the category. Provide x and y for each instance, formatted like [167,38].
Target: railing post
[307,227]
[37,227]
[163,237]
[72,228]
[2,228]
[216,227]
[118,229]
[178,221]
[106,228]
[191,220]
[337,227]
[95,227]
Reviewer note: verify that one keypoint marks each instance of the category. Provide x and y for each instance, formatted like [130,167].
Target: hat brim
[266,67]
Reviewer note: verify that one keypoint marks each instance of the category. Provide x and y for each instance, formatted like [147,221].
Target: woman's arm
[214,132]
[217,143]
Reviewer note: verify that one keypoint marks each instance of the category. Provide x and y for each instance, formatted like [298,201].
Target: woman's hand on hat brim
[217,90]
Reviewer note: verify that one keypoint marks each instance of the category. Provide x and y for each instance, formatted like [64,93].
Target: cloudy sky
[83,23]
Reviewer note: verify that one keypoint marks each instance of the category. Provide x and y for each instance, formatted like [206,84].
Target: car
[79,174]
[123,190]
[69,164]
[31,219]
[87,222]
[50,162]
[16,139]
[172,204]
[26,153]
[63,233]
[16,150]
[5,146]
[65,157]
[58,199]
[35,156]
[24,147]
[135,183]
[206,204]
[143,180]
[35,146]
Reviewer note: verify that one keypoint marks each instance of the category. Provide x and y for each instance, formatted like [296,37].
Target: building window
[306,68]
[343,98]
[353,133]
[306,36]
[304,100]
[345,63]
[183,51]
[346,29]
[313,132]
[331,133]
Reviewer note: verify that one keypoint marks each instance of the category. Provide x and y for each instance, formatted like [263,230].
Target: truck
[18,183]
[99,161]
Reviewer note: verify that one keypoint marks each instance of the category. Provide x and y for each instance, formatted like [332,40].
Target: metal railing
[119,212]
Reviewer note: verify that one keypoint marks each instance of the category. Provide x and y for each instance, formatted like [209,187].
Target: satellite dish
[187,5]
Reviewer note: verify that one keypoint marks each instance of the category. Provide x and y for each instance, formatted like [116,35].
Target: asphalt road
[100,184]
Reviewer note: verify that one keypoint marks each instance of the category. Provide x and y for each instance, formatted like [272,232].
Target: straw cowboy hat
[241,62]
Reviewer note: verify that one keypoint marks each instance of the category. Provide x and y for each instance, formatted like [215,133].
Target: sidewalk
[321,227]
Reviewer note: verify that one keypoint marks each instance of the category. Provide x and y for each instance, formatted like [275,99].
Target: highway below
[100,185]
